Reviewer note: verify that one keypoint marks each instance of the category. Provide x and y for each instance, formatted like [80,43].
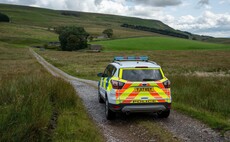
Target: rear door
[143,85]
[108,73]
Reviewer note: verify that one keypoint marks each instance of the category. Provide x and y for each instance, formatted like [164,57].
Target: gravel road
[121,129]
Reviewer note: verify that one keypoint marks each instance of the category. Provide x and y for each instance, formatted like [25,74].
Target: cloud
[112,7]
[203,2]
[22,2]
[97,2]
[157,3]
[224,2]
[208,23]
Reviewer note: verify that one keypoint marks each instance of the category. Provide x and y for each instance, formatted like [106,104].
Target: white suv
[134,84]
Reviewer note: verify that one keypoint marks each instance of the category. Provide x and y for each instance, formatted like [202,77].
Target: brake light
[167,84]
[169,106]
[117,84]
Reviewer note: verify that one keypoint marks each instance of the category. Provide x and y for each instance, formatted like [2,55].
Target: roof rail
[131,58]
[117,63]
[153,62]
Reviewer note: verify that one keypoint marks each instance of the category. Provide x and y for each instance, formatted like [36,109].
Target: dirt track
[121,129]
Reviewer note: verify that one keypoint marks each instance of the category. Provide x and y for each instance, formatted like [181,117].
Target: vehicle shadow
[134,117]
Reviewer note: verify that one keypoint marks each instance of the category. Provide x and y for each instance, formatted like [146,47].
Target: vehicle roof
[131,64]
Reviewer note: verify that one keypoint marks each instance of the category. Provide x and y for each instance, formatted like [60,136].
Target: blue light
[131,58]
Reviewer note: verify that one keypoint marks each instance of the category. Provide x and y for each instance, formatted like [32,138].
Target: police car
[134,84]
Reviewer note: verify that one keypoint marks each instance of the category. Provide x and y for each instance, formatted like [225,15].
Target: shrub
[4,18]
[108,32]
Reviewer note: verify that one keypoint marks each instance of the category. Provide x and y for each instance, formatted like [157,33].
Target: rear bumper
[153,107]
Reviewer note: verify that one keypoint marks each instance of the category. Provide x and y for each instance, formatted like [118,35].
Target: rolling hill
[32,26]
[94,23]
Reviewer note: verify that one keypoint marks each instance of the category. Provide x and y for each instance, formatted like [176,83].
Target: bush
[4,18]
[108,32]
[72,38]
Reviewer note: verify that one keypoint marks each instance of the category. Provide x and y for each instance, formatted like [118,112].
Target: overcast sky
[205,17]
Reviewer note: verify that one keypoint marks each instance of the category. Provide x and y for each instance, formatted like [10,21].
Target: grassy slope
[22,35]
[93,23]
[47,17]
[28,98]
[219,40]
[158,43]
[20,70]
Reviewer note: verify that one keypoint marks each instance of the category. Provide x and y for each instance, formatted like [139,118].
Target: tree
[4,18]
[90,38]
[108,32]
[72,38]
[194,38]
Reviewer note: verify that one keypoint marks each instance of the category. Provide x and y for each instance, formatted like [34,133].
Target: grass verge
[29,96]
[204,98]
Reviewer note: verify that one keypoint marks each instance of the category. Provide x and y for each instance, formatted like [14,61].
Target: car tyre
[110,115]
[164,114]
[100,100]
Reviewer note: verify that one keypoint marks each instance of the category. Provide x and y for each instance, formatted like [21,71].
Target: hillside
[47,17]
[32,25]
[94,23]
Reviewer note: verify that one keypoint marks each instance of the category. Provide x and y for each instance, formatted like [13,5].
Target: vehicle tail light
[167,84]
[116,107]
[169,106]
[117,84]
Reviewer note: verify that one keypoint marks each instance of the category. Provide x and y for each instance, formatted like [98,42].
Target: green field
[158,43]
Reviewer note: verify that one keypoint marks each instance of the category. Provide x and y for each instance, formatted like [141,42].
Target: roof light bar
[131,58]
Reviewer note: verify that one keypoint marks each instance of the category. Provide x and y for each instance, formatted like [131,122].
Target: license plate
[143,89]
[144,101]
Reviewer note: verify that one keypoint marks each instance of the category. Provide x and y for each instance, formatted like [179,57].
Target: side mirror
[100,74]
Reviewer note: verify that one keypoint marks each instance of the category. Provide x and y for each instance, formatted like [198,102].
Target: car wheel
[108,113]
[100,100]
[163,114]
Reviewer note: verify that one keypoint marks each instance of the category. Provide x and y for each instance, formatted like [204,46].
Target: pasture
[158,43]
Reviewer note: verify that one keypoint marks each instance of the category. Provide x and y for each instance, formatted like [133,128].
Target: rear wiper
[149,79]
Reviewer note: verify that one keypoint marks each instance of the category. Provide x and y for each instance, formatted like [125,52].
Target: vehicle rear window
[142,74]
